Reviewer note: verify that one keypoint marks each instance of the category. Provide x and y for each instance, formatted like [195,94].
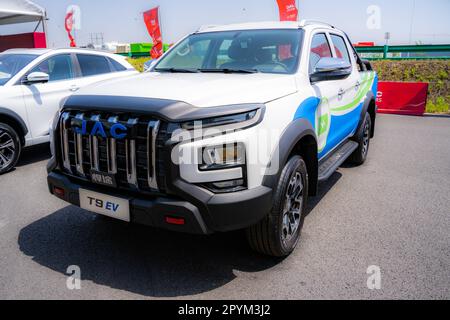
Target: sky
[408,21]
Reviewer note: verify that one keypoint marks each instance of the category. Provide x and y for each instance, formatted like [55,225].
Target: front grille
[132,160]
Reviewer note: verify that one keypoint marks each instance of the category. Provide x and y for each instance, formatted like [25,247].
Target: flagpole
[160,26]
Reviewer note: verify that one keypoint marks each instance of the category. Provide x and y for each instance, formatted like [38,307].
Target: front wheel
[279,232]
[10,148]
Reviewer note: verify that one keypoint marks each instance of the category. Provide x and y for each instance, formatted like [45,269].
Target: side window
[116,65]
[92,65]
[340,47]
[320,48]
[57,67]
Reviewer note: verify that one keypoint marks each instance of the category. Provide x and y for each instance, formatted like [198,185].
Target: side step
[336,159]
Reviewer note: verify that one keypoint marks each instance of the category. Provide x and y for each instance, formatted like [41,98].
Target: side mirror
[148,66]
[37,77]
[368,65]
[328,69]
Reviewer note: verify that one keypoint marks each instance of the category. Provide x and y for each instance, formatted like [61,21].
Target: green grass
[138,63]
[440,106]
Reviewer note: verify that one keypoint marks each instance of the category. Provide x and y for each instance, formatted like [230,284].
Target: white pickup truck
[233,128]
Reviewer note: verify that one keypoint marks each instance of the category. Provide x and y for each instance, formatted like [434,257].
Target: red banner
[288,10]
[68,24]
[151,19]
[408,98]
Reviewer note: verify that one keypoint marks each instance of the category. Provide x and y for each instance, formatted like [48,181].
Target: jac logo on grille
[116,130]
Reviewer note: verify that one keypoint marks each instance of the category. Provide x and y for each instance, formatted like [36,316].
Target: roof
[19,11]
[252,26]
[28,51]
[264,25]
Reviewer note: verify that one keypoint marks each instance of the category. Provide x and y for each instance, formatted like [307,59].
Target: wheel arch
[369,106]
[12,119]
[298,139]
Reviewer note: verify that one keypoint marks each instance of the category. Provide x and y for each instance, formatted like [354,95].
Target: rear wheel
[363,139]
[10,148]
[279,232]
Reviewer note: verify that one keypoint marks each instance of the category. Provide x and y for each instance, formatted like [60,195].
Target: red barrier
[25,40]
[407,98]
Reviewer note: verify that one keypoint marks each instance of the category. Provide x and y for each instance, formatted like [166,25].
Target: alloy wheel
[366,138]
[7,149]
[292,207]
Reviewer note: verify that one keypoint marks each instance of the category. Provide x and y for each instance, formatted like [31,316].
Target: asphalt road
[393,212]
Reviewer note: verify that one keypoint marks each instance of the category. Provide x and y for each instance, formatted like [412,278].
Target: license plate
[103,178]
[113,207]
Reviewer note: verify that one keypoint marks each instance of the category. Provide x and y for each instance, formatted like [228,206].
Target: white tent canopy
[20,11]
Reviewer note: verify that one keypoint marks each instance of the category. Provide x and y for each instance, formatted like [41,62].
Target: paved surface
[393,212]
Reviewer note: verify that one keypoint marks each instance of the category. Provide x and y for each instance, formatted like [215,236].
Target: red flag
[151,19]
[68,23]
[288,10]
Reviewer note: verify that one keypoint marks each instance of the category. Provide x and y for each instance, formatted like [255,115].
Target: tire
[10,148]
[363,139]
[273,236]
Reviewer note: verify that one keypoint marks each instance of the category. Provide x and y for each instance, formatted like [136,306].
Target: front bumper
[202,211]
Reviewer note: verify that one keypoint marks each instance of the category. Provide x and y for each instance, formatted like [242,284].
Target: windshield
[265,51]
[11,64]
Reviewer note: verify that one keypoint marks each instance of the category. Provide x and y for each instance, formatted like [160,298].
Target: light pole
[412,21]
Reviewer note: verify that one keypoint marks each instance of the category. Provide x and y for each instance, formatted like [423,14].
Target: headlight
[223,156]
[52,129]
[228,122]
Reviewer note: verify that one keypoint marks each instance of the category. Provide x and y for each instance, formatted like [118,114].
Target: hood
[199,89]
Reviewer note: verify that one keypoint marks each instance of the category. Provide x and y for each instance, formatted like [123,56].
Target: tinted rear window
[92,65]
[116,65]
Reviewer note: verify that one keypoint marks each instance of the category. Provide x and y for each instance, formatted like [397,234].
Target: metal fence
[417,52]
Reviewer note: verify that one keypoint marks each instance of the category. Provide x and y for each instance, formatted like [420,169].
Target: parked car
[33,82]
[233,128]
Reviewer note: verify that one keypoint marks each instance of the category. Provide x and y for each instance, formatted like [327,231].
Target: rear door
[326,91]
[95,67]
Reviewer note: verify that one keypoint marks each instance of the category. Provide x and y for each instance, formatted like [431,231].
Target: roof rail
[305,22]
[205,27]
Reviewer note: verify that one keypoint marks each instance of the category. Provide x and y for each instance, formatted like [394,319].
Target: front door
[331,128]
[43,100]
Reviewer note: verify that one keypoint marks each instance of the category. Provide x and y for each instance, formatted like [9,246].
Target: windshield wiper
[177,70]
[227,70]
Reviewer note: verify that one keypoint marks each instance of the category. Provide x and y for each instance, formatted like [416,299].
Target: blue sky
[409,21]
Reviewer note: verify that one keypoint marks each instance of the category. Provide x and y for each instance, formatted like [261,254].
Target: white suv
[233,128]
[33,82]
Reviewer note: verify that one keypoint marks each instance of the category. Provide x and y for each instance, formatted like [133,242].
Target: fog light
[229,184]
[223,156]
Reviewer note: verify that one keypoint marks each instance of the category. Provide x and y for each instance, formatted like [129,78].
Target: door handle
[341,94]
[74,88]
[358,85]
